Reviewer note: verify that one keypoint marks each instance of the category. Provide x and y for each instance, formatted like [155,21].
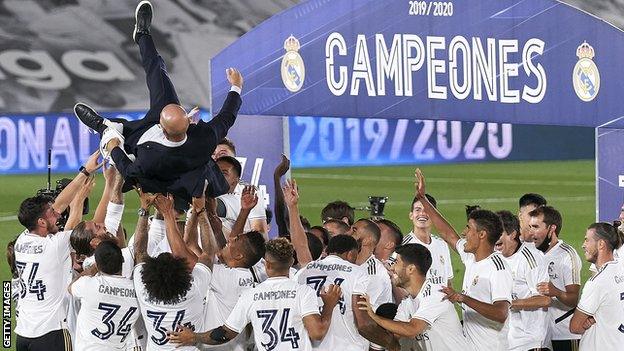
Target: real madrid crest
[293,69]
[476,280]
[586,78]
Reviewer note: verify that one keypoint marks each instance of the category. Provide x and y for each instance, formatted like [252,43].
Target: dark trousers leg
[161,89]
[55,340]
[565,345]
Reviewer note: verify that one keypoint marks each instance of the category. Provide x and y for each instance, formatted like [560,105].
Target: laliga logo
[586,78]
[293,70]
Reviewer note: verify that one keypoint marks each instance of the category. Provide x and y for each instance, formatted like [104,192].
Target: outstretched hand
[234,77]
[164,204]
[331,295]
[92,164]
[364,304]
[249,198]
[147,199]
[291,193]
[452,295]
[419,183]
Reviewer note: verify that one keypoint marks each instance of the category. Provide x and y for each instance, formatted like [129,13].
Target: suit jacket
[180,170]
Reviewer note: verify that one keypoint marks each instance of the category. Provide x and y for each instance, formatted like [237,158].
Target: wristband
[84,171]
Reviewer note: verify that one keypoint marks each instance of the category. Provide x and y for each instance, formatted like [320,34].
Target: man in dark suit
[171,155]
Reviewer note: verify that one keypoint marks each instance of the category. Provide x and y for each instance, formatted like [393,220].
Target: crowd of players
[210,276]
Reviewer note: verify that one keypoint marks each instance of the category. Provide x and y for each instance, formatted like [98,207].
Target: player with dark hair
[528,318]
[527,203]
[598,316]
[171,287]
[339,210]
[441,271]
[425,320]
[351,329]
[42,259]
[225,147]
[487,285]
[379,291]
[391,238]
[108,302]
[321,233]
[564,269]
[278,303]
[336,227]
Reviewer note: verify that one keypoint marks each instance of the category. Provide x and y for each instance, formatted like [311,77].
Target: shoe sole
[136,16]
[76,114]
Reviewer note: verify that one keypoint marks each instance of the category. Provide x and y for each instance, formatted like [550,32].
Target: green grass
[569,186]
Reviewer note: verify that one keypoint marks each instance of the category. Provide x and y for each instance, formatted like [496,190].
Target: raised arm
[279,207]
[445,230]
[249,199]
[64,198]
[209,245]
[140,233]
[164,204]
[215,222]
[77,203]
[109,181]
[297,233]
[224,120]
[190,230]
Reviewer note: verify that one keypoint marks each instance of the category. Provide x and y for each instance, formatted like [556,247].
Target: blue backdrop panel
[610,172]
[337,142]
[441,58]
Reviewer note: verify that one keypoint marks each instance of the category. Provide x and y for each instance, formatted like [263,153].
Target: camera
[377,204]
[53,193]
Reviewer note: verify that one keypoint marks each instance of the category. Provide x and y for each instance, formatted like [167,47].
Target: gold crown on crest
[585,51]
[291,44]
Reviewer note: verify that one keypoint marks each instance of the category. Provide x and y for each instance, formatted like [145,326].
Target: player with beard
[564,270]
[350,329]
[42,259]
[379,290]
[441,271]
[391,238]
[277,304]
[425,320]
[487,285]
[527,203]
[599,314]
[528,321]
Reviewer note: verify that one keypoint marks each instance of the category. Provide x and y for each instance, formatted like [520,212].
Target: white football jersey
[564,268]
[45,271]
[441,268]
[603,299]
[108,310]
[527,329]
[379,289]
[232,202]
[353,280]
[488,280]
[444,332]
[160,318]
[224,291]
[126,267]
[276,309]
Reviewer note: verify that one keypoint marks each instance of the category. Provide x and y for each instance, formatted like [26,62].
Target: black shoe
[90,118]
[143,17]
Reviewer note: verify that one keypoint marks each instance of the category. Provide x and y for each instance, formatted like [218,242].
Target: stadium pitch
[567,185]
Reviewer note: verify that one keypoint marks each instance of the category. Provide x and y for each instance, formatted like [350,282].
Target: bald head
[174,121]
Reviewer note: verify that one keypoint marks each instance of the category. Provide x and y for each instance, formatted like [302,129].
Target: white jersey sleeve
[61,241]
[404,311]
[113,217]
[572,270]
[308,303]
[431,306]
[501,285]
[361,283]
[448,265]
[591,298]
[465,256]
[79,289]
[239,317]
[535,276]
